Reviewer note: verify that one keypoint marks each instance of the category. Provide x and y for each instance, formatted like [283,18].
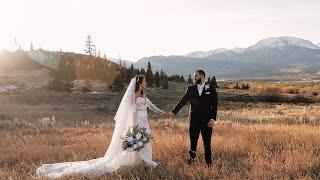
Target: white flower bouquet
[135,139]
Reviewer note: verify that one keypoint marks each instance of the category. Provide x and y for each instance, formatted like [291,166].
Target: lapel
[202,89]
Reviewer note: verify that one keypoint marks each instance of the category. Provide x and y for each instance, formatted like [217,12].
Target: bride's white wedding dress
[131,111]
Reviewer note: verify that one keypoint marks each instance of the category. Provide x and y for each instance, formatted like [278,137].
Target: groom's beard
[197,81]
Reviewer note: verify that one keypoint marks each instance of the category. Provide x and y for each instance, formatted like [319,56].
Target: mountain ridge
[273,56]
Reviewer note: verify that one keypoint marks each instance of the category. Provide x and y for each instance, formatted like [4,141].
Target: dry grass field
[239,151]
[254,138]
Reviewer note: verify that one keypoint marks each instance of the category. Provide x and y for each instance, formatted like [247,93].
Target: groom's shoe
[192,157]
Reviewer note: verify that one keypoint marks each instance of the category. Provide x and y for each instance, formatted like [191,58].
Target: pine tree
[190,79]
[237,86]
[214,82]
[149,75]
[142,71]
[162,75]
[131,71]
[165,83]
[90,47]
[182,78]
[157,79]
[118,82]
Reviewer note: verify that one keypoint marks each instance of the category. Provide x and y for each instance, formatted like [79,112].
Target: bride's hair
[139,80]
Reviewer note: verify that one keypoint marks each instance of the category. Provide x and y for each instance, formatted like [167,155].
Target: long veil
[114,156]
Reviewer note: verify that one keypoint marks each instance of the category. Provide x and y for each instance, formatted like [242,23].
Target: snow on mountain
[219,50]
[203,54]
[270,57]
[197,54]
[280,42]
[318,45]
[238,50]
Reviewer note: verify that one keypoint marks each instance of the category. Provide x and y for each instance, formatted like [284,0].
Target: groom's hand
[211,123]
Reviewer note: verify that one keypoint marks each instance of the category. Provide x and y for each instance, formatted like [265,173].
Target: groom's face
[197,78]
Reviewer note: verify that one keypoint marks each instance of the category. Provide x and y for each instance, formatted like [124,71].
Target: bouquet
[135,139]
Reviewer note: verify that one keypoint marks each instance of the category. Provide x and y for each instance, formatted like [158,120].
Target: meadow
[254,138]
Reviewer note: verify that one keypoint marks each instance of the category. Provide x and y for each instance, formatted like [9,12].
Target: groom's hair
[201,72]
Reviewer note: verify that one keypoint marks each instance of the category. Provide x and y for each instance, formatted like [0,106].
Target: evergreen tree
[157,79]
[245,86]
[162,75]
[237,86]
[182,78]
[149,75]
[142,71]
[90,47]
[165,83]
[214,82]
[137,71]
[118,83]
[190,79]
[131,72]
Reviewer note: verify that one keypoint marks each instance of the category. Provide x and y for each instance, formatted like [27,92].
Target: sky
[133,29]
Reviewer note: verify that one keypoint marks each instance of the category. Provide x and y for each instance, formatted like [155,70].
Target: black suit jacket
[202,108]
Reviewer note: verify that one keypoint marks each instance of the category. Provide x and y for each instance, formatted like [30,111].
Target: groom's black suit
[202,109]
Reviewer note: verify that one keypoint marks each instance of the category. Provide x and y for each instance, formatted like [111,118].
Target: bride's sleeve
[153,107]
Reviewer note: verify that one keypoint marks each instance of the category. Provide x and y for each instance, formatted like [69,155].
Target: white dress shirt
[200,88]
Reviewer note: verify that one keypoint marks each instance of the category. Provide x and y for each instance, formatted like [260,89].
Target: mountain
[283,42]
[318,45]
[202,54]
[274,56]
[238,50]
[127,62]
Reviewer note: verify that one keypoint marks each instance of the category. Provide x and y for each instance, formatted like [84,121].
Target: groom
[202,115]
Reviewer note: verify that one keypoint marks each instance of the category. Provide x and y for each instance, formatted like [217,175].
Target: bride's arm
[153,107]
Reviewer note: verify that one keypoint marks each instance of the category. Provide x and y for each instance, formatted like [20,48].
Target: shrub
[60,85]
[315,93]
[292,90]
[272,95]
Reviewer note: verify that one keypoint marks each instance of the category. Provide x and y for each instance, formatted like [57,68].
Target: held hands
[211,123]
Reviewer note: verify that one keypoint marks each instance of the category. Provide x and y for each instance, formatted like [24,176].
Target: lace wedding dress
[131,111]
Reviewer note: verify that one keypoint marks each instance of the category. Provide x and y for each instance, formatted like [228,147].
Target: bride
[131,111]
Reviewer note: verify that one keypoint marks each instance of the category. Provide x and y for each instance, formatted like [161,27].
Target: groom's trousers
[206,133]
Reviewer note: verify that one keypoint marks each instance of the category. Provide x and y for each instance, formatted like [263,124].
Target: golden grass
[268,113]
[239,151]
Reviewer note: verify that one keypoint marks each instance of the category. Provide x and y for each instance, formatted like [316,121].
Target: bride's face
[143,84]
